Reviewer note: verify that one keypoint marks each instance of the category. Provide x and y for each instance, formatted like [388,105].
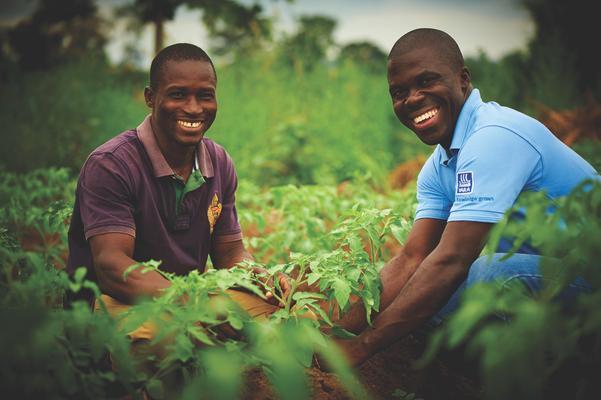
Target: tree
[309,45]
[567,34]
[366,55]
[235,27]
[231,24]
[56,31]
[156,12]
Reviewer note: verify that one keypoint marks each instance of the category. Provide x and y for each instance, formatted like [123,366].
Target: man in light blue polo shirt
[485,156]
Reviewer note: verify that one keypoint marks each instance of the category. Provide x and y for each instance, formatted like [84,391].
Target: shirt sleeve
[431,199]
[493,168]
[105,197]
[227,227]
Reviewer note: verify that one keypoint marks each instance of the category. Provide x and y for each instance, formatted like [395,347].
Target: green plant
[68,355]
[542,346]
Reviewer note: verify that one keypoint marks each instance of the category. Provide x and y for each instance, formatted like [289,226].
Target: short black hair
[176,52]
[441,41]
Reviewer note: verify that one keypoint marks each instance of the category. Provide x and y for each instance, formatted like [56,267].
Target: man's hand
[228,254]
[352,350]
[277,288]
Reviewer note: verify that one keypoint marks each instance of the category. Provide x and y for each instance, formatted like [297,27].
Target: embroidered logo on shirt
[465,182]
[213,212]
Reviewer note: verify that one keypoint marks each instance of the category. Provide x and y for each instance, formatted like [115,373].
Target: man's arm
[228,254]
[112,254]
[423,238]
[426,291]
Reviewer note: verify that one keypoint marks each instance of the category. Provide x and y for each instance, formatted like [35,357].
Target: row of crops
[332,241]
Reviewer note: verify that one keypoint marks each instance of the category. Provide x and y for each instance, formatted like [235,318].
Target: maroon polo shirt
[126,186]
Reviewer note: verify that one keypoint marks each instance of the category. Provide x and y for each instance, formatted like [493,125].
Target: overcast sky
[495,26]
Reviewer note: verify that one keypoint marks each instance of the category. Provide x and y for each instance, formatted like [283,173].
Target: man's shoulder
[213,146]
[121,153]
[117,145]
[493,115]
[219,155]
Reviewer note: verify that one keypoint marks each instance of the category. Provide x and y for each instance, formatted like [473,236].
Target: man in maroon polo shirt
[161,191]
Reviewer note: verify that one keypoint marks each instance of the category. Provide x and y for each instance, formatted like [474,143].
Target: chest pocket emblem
[213,212]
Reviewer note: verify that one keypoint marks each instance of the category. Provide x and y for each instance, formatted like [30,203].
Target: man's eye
[425,81]
[398,95]
[206,96]
[176,95]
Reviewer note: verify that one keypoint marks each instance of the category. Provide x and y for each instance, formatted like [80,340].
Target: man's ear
[466,79]
[149,97]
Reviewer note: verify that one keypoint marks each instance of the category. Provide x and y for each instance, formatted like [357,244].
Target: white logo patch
[465,182]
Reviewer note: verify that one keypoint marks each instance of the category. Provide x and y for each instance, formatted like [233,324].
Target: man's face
[427,94]
[184,103]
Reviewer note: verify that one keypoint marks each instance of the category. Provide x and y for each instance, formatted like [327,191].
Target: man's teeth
[187,124]
[425,116]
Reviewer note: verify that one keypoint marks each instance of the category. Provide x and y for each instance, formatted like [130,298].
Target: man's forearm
[425,293]
[228,254]
[110,270]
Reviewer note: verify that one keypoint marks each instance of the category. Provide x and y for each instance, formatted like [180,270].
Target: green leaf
[199,334]
[80,274]
[313,277]
[235,321]
[342,333]
[398,233]
[342,292]
[155,389]
[355,244]
[308,295]
[130,269]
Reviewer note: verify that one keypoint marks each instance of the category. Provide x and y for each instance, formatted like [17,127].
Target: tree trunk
[158,34]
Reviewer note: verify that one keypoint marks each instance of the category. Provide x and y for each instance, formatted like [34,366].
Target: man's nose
[193,105]
[414,98]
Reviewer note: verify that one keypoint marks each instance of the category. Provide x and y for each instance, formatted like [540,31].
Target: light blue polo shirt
[496,153]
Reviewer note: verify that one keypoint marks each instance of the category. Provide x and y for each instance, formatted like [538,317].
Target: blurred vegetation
[299,108]
[545,345]
[54,353]
[57,31]
[231,24]
[559,68]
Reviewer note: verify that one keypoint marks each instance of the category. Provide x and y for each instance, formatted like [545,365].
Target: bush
[55,118]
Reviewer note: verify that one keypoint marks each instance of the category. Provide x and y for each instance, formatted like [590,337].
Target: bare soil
[447,377]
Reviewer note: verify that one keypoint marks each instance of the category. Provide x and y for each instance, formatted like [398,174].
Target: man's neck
[180,158]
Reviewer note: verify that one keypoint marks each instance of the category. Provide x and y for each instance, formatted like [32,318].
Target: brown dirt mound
[573,125]
[384,373]
[406,172]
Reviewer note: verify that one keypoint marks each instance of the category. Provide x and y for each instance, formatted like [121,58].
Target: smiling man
[485,156]
[161,191]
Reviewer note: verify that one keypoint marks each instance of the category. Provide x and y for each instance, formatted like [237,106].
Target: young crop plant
[330,240]
[297,219]
[545,344]
[198,324]
[193,311]
[35,209]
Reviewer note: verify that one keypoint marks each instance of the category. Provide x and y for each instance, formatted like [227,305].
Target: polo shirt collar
[159,164]
[462,127]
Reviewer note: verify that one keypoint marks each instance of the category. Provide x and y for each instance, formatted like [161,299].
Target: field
[318,199]
[335,237]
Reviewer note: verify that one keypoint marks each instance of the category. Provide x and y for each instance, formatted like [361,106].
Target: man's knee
[484,269]
[506,270]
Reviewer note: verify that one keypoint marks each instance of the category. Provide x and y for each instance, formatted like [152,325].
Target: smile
[425,116]
[189,124]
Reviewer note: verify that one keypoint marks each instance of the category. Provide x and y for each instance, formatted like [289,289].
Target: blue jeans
[523,268]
